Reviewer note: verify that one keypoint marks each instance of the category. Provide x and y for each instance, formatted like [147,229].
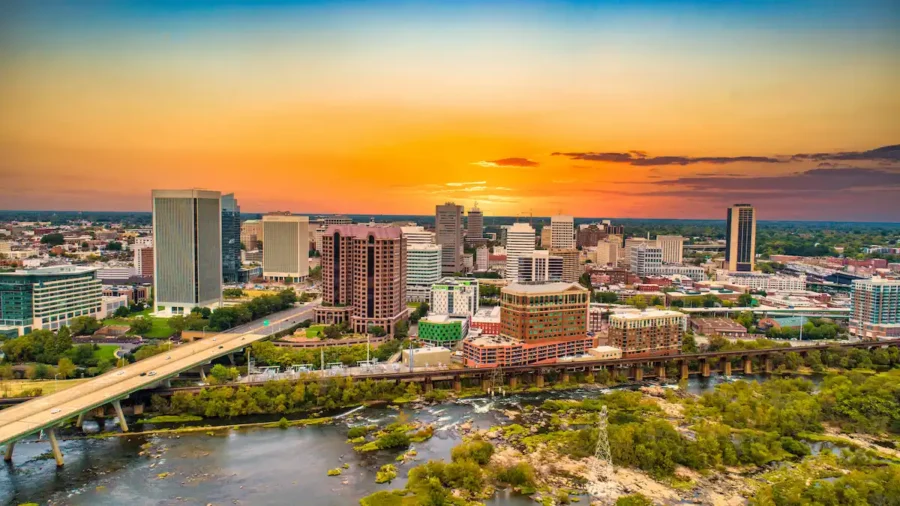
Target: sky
[650,109]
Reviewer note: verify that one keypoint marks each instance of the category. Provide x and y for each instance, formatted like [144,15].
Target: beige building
[571,270]
[607,252]
[740,238]
[286,249]
[546,237]
[672,247]
[563,232]
[251,234]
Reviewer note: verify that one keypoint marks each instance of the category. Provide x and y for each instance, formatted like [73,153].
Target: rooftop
[363,232]
[646,314]
[720,324]
[54,270]
[542,288]
[442,318]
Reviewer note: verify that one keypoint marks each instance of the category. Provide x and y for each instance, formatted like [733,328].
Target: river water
[249,466]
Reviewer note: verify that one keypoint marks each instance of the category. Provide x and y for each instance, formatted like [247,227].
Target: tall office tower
[545,312]
[546,237]
[875,308]
[143,261]
[540,266]
[672,247]
[336,220]
[646,260]
[571,259]
[590,235]
[563,232]
[448,224]
[364,274]
[607,252]
[740,238]
[417,235]
[630,243]
[286,250]
[482,256]
[251,234]
[475,225]
[423,270]
[187,250]
[455,296]
[231,238]
[519,243]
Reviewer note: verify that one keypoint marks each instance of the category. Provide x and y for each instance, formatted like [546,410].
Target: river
[249,466]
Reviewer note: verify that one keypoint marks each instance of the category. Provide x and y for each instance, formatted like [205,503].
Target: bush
[634,500]
[477,451]
[517,475]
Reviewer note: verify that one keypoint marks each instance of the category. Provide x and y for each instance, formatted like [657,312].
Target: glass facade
[231,238]
[48,298]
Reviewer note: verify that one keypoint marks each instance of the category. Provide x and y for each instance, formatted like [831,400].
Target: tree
[114,246]
[634,500]
[585,281]
[745,300]
[84,325]
[377,330]
[607,297]
[65,368]
[178,323]
[223,374]
[689,344]
[141,325]
[122,312]
[637,301]
[55,239]
[401,329]
[332,332]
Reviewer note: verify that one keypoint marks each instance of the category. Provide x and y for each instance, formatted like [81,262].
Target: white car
[151,373]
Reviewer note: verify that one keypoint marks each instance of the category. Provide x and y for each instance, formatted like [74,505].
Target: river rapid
[254,466]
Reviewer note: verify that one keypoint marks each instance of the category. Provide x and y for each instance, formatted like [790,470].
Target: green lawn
[315,330]
[160,330]
[107,351]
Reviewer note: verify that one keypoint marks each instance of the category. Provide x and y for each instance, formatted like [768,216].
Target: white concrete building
[286,248]
[540,266]
[423,269]
[455,296]
[761,281]
[519,243]
[563,232]
[672,247]
[417,235]
[481,258]
[645,260]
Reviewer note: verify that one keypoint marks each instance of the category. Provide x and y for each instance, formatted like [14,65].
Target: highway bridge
[50,411]
[829,312]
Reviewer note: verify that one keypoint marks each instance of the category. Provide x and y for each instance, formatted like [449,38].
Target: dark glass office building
[231,238]
[740,238]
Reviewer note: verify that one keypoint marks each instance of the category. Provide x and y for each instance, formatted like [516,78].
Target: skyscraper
[875,308]
[475,226]
[519,243]
[231,238]
[646,259]
[363,277]
[740,238]
[571,259]
[187,250]
[423,263]
[540,266]
[286,250]
[448,226]
[563,235]
[672,247]
[417,235]
[251,234]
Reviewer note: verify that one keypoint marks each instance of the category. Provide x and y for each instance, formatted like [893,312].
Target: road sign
[265,323]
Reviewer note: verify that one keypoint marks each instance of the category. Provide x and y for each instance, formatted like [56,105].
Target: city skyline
[653,109]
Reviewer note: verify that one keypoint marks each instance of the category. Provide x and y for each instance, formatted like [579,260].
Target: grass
[107,351]
[160,330]
[171,419]
[14,388]
[315,330]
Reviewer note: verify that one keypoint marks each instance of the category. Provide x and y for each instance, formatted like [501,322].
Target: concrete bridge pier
[564,377]
[638,372]
[202,373]
[768,363]
[121,416]
[725,366]
[79,422]
[9,451]
[486,384]
[748,365]
[539,380]
[660,370]
[429,386]
[704,368]
[513,382]
[684,370]
[54,445]
[457,384]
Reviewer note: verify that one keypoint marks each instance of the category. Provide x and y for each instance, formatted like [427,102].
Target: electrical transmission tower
[601,485]
[497,381]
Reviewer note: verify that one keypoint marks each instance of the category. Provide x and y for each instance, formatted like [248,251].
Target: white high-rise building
[645,260]
[563,232]
[540,266]
[187,250]
[519,243]
[417,235]
[482,254]
[630,243]
[672,247]
[286,250]
[423,268]
[455,296]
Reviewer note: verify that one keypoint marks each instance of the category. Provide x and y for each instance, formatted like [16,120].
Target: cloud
[819,179]
[888,154]
[507,162]
[466,183]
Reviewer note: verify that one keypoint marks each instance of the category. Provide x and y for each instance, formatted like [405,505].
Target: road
[50,410]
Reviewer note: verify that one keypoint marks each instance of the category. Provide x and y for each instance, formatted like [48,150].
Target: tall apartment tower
[740,238]
[475,225]
[187,250]
[231,238]
[364,277]
[417,235]
[448,225]
[519,244]
[875,308]
[286,250]
[672,247]
[646,260]
[571,259]
[540,266]
[563,232]
[143,261]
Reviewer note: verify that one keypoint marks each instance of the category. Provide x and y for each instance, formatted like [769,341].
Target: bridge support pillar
[167,383]
[748,365]
[457,385]
[80,421]
[9,451]
[725,366]
[231,358]
[428,385]
[539,380]
[54,445]
[513,382]
[684,369]
[121,416]
[704,368]
[565,377]
[486,384]
[768,362]
[638,372]
[660,371]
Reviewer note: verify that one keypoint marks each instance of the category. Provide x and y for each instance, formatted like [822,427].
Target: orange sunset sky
[605,109]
